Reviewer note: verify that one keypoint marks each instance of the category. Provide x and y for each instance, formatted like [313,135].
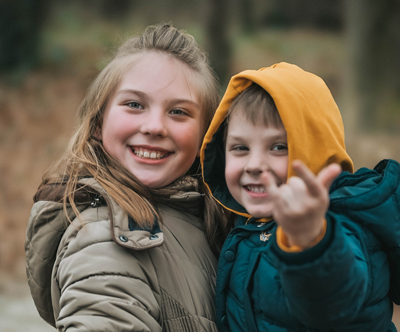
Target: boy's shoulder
[371,197]
[367,189]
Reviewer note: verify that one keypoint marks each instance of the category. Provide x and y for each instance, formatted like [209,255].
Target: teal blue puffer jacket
[347,282]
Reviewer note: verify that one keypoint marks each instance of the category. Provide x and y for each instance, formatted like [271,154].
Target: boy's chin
[260,214]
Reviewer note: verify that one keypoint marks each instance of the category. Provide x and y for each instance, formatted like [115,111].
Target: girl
[121,236]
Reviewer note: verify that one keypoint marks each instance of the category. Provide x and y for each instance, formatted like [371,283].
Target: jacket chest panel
[186,274]
[247,276]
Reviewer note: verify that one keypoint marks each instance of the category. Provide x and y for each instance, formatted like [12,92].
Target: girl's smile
[150,153]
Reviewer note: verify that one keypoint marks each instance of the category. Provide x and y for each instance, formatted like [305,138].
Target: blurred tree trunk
[247,15]
[20,27]
[219,44]
[322,14]
[373,29]
[115,9]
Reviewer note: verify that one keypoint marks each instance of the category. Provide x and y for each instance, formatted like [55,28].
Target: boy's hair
[86,155]
[255,102]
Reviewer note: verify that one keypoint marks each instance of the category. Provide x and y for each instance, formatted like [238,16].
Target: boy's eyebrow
[171,101]
[239,137]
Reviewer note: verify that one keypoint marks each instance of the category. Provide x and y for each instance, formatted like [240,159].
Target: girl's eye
[280,147]
[134,104]
[178,111]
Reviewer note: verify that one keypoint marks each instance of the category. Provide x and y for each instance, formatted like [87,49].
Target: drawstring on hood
[312,120]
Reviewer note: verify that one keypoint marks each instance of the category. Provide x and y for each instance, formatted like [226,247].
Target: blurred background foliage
[50,51]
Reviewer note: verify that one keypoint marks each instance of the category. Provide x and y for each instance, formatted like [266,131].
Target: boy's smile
[250,151]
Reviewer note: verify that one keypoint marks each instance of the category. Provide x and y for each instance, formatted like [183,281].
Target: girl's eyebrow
[130,91]
[170,101]
[179,101]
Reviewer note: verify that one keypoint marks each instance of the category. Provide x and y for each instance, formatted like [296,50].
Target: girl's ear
[97,133]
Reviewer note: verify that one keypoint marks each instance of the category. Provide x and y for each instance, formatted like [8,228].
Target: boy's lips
[256,190]
[150,153]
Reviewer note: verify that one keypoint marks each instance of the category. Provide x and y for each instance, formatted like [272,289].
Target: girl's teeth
[148,154]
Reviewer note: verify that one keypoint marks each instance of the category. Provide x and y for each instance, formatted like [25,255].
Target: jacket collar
[125,231]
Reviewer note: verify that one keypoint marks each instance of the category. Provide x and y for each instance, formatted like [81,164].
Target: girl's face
[153,124]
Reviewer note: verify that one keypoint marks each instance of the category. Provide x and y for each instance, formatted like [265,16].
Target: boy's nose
[255,165]
[154,125]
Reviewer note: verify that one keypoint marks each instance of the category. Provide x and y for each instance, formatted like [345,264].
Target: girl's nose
[154,125]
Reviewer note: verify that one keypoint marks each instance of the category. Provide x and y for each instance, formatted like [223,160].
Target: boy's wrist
[300,242]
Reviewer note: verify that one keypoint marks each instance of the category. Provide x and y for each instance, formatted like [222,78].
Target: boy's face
[251,150]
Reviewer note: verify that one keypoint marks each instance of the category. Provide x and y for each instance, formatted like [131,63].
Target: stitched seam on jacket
[120,301]
[106,275]
[195,318]
[52,228]
[89,245]
[396,203]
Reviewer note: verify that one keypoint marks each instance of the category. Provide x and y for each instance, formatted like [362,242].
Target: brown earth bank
[18,313]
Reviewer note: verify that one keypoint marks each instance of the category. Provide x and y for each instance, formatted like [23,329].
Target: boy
[274,148]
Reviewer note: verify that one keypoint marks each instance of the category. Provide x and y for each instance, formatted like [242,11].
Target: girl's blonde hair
[86,155]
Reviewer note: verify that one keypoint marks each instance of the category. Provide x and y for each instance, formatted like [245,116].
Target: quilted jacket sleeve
[328,284]
[101,286]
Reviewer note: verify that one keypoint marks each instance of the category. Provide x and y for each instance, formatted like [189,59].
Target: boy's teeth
[256,189]
[142,153]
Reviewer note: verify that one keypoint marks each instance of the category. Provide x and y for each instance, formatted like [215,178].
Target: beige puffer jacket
[107,274]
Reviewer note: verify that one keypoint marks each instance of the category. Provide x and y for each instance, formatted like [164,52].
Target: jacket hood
[312,120]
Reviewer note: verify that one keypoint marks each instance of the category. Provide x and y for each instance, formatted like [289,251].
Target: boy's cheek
[232,177]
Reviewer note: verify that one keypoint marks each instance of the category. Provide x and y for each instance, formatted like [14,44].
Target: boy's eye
[178,111]
[240,148]
[134,104]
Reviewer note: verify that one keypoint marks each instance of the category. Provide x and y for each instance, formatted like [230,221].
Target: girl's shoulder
[47,224]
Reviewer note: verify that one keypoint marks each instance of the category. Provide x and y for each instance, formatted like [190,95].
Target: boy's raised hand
[300,205]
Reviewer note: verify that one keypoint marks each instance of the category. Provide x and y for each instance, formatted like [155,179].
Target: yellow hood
[308,111]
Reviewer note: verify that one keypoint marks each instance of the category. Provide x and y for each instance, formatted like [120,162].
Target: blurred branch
[20,27]
[220,45]
[373,29]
